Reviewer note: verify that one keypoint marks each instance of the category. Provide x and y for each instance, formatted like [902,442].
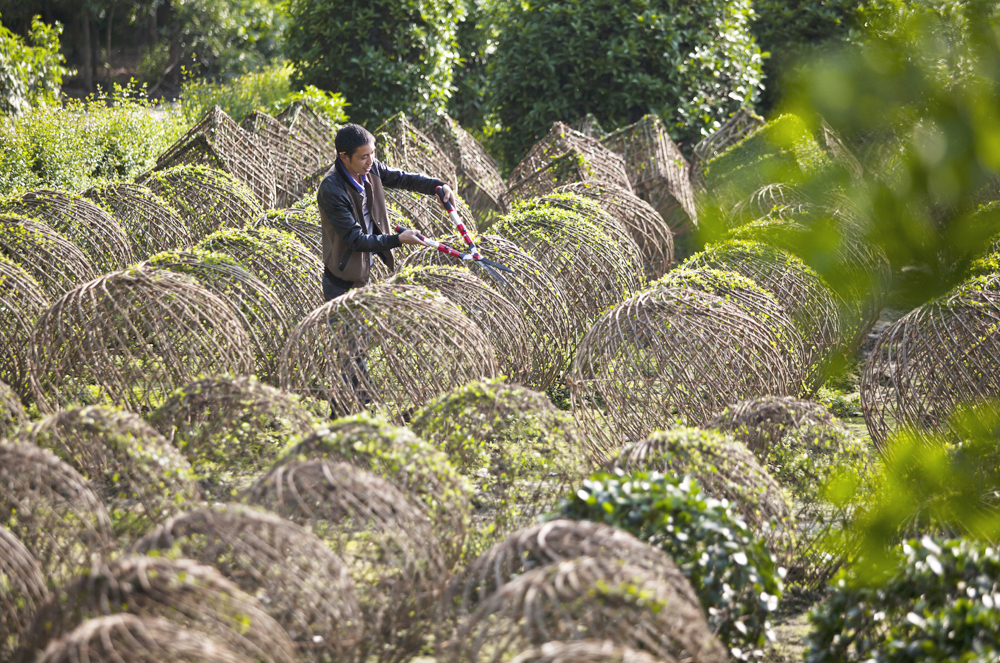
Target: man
[353,213]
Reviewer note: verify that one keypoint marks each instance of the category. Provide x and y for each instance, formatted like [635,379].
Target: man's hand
[449,195]
[409,237]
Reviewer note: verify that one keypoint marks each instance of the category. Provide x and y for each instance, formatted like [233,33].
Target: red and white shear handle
[457,220]
[443,248]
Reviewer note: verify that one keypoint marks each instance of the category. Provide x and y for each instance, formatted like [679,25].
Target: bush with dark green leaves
[30,73]
[938,602]
[730,569]
[692,63]
[385,56]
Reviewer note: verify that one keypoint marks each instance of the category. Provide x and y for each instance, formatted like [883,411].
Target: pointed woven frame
[590,126]
[756,302]
[938,356]
[520,452]
[53,261]
[743,123]
[230,428]
[307,588]
[90,227]
[644,224]
[498,318]
[391,347]
[22,592]
[479,180]
[278,259]
[603,164]
[807,299]
[260,312]
[206,198]
[218,142]
[595,271]
[384,539]
[424,213]
[567,168]
[588,598]
[125,638]
[150,223]
[12,414]
[140,476]
[667,354]
[414,466]
[300,118]
[22,301]
[48,506]
[132,337]
[554,542]
[405,147]
[294,155]
[182,591]
[657,170]
[540,299]
[583,651]
[724,469]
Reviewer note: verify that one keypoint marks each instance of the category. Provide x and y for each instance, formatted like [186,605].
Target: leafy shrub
[390,56]
[84,143]
[474,36]
[732,572]
[30,74]
[268,90]
[937,603]
[691,63]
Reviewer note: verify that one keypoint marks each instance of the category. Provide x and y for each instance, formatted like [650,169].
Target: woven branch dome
[479,180]
[22,300]
[761,423]
[130,337]
[652,235]
[48,506]
[383,537]
[521,453]
[140,476]
[756,302]
[406,461]
[424,213]
[667,354]
[184,592]
[300,582]
[807,299]
[405,147]
[94,230]
[125,638]
[301,118]
[603,164]
[22,591]
[278,259]
[776,200]
[595,271]
[393,347]
[558,541]
[743,123]
[498,318]
[292,154]
[540,299]
[725,469]
[588,598]
[218,142]
[207,199]
[934,358]
[150,223]
[567,168]
[657,170]
[583,651]
[259,310]
[12,414]
[53,261]
[303,223]
[230,428]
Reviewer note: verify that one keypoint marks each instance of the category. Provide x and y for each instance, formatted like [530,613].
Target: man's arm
[341,215]
[399,179]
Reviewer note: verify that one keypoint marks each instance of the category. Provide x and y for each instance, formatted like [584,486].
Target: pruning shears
[473,254]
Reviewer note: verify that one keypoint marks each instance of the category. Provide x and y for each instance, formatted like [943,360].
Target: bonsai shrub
[692,63]
[389,57]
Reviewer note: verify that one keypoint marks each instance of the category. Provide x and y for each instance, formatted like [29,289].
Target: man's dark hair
[350,137]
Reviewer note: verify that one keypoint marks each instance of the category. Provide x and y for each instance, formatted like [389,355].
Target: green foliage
[936,602]
[732,572]
[388,56]
[30,74]
[268,90]
[84,143]
[691,63]
[476,35]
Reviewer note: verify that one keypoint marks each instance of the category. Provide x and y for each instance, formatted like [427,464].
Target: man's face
[359,163]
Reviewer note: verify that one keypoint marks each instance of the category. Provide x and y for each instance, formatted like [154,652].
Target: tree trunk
[154,32]
[107,55]
[87,70]
[95,46]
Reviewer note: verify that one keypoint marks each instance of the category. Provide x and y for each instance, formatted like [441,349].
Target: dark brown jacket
[348,242]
